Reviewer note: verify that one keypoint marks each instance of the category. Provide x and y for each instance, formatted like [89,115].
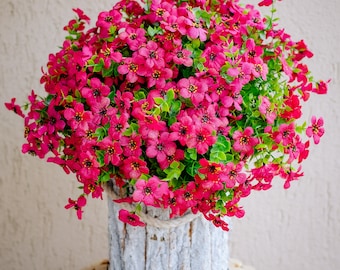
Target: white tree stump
[192,246]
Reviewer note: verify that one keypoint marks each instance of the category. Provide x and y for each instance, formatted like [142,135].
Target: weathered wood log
[195,245]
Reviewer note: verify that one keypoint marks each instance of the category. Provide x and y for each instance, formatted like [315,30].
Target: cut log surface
[191,246]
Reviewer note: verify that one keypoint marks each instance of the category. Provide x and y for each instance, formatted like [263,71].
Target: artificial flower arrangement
[187,105]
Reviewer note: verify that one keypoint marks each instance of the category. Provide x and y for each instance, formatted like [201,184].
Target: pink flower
[150,192]
[316,130]
[134,167]
[202,139]
[130,218]
[182,129]
[77,205]
[290,175]
[153,54]
[161,147]
[133,68]
[192,88]
[180,56]
[215,58]
[108,54]
[266,3]
[112,150]
[77,117]
[233,174]
[123,100]
[131,145]
[90,166]
[195,30]
[285,134]
[266,109]
[118,125]
[244,142]
[133,37]
[14,107]
[159,76]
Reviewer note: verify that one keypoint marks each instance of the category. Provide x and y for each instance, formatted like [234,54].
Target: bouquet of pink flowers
[187,105]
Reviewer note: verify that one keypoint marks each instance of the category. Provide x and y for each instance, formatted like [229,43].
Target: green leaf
[139,95]
[174,164]
[156,111]
[69,99]
[191,153]
[165,107]
[138,208]
[154,31]
[131,129]
[196,43]
[158,100]
[100,157]
[108,72]
[192,168]
[218,157]
[221,145]
[101,132]
[170,95]
[104,177]
[176,106]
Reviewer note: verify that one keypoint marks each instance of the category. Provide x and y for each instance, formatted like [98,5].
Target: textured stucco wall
[295,229]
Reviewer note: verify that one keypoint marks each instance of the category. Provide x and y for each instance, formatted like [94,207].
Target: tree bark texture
[196,245]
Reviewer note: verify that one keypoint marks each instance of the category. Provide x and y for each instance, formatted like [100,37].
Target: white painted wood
[197,245]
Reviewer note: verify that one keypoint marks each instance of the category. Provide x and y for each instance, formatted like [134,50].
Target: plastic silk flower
[187,105]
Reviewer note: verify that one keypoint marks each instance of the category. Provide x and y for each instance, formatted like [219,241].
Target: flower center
[200,138]
[89,134]
[232,174]
[133,67]
[110,150]
[252,53]
[96,92]
[205,118]
[244,140]
[183,131]
[160,12]
[153,54]
[219,90]
[258,68]
[212,56]
[188,196]
[160,147]
[156,74]
[108,19]
[212,169]
[147,191]
[135,165]
[78,117]
[118,127]
[103,111]
[192,88]
[180,54]
[133,36]
[87,163]
[132,145]
[174,26]
[106,52]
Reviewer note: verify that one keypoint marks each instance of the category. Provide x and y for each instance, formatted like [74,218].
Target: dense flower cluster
[187,105]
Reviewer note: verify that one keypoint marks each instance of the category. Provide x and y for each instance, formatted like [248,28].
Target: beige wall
[295,229]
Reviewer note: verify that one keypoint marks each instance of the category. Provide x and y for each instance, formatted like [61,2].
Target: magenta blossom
[130,218]
[316,130]
[150,192]
[161,147]
[244,142]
